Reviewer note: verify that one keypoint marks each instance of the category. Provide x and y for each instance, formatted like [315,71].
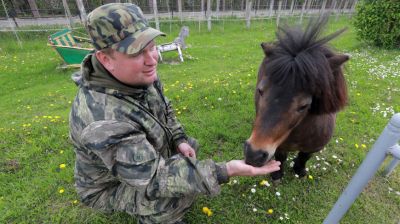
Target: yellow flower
[75,202]
[61,191]
[61,151]
[207,211]
[62,166]
[356,145]
[363,146]
[270,211]
[263,183]
[310,177]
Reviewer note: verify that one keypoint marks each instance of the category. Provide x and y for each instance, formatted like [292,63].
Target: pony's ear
[337,60]
[267,48]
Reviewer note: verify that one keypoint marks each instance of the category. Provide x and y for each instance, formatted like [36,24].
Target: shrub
[378,21]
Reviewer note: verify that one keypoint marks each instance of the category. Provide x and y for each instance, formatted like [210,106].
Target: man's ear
[105,60]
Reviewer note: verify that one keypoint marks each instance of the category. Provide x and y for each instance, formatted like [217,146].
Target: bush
[378,21]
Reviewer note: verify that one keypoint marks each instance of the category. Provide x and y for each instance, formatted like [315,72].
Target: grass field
[212,92]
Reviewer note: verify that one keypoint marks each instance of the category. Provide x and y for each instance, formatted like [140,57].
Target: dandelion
[363,146]
[270,211]
[264,183]
[310,177]
[356,145]
[61,191]
[219,99]
[62,166]
[61,151]
[75,202]
[207,211]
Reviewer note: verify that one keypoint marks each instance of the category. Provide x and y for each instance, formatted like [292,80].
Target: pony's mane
[298,61]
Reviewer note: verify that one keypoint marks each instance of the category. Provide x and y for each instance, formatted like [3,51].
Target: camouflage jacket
[123,134]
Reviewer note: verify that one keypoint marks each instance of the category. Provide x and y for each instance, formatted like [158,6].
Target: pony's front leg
[300,161]
[281,157]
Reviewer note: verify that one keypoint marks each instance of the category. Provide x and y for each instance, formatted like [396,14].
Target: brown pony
[300,87]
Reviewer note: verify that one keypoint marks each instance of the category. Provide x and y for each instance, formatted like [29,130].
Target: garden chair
[177,45]
[70,48]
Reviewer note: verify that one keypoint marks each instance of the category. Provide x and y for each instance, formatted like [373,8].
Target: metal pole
[368,168]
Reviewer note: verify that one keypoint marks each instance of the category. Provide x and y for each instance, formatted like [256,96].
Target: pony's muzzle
[254,157]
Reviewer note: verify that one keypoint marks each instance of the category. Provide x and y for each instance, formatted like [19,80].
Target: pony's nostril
[265,155]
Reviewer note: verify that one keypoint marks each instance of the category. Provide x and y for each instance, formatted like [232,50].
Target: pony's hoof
[300,172]
[276,175]
[276,182]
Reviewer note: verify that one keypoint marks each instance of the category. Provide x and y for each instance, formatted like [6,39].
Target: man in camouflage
[132,154]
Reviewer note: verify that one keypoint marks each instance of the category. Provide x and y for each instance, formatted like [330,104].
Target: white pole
[155,10]
[66,9]
[82,11]
[12,27]
[209,15]
[248,14]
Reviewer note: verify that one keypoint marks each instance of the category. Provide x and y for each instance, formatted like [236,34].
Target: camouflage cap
[120,26]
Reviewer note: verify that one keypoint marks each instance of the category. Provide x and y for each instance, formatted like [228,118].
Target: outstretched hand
[240,168]
[186,150]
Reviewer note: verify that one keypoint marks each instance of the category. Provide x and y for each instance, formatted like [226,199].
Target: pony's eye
[260,91]
[302,108]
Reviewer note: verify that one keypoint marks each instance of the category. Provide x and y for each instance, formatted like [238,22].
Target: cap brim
[134,43]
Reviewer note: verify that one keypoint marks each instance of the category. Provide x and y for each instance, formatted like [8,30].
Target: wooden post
[66,8]
[217,9]
[303,7]
[209,15]
[179,2]
[271,7]
[279,12]
[34,8]
[308,6]
[202,7]
[248,15]
[323,6]
[82,11]
[223,5]
[352,8]
[292,6]
[155,11]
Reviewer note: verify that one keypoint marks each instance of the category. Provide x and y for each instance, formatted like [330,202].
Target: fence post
[279,12]
[302,10]
[248,14]
[180,10]
[81,11]
[271,7]
[66,8]
[155,11]
[367,169]
[209,15]
[34,8]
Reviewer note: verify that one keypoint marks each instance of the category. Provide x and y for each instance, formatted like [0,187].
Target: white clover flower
[235,181]
[278,194]
[254,210]
[334,156]
[253,190]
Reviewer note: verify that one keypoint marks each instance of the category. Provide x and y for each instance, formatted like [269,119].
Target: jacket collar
[96,77]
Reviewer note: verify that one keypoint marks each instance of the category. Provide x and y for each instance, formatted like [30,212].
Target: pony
[300,88]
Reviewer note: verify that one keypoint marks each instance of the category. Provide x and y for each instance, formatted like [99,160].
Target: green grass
[212,92]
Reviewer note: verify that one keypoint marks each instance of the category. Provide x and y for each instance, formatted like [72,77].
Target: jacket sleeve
[128,155]
[178,133]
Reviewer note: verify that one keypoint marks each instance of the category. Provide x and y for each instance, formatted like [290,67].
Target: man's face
[140,69]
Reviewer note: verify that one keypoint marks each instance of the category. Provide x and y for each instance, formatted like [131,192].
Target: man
[132,154]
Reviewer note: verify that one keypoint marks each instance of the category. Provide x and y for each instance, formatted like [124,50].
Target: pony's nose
[254,157]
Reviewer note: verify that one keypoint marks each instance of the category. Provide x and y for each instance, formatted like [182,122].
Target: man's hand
[186,150]
[240,168]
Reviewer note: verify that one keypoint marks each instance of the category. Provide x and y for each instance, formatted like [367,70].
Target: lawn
[212,93]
